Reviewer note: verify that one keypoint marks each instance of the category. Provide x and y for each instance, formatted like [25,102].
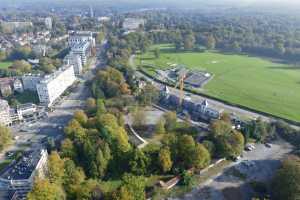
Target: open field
[5,65]
[250,81]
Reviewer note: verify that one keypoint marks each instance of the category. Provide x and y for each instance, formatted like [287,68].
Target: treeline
[260,34]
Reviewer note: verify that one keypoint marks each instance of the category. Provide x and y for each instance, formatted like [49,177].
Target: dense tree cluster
[286,183]
[261,34]
[5,136]
[229,142]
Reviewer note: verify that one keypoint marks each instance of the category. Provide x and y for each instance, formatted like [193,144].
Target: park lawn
[249,81]
[5,65]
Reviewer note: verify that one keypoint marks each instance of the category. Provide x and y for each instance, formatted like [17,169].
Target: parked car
[268,145]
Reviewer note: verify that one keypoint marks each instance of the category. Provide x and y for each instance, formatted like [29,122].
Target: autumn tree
[189,41]
[210,42]
[139,117]
[73,178]
[55,168]
[90,105]
[5,136]
[170,120]
[138,162]
[68,149]
[160,126]
[201,157]
[286,183]
[165,160]
[44,190]
[22,66]
[230,145]
[81,117]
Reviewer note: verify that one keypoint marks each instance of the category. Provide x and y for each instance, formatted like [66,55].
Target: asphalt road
[30,134]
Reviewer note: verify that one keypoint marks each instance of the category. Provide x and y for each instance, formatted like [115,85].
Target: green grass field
[5,65]
[250,81]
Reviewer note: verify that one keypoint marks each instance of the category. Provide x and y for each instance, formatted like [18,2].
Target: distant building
[48,23]
[15,25]
[75,60]
[133,24]
[91,12]
[26,109]
[5,90]
[39,49]
[19,176]
[30,81]
[79,37]
[4,113]
[6,85]
[199,111]
[18,86]
[52,86]
[83,50]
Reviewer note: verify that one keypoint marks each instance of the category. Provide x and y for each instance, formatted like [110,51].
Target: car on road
[268,145]
[249,147]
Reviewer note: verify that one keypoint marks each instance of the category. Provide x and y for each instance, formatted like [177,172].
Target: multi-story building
[75,60]
[53,85]
[6,86]
[30,81]
[18,86]
[80,37]
[48,23]
[15,25]
[133,24]
[19,176]
[83,50]
[4,113]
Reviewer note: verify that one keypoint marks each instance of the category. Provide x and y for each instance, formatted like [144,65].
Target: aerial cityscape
[149,100]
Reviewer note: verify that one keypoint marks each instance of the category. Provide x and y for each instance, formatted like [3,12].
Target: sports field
[250,81]
[5,65]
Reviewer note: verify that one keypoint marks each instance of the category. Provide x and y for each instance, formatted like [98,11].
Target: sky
[153,3]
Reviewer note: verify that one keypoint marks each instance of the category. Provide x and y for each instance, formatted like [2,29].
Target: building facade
[30,81]
[80,37]
[75,60]
[83,50]
[48,23]
[4,113]
[52,86]
[19,176]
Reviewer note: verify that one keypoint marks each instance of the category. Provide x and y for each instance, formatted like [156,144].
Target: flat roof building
[19,175]
[30,81]
[78,37]
[53,85]
[75,60]
[82,49]
[133,24]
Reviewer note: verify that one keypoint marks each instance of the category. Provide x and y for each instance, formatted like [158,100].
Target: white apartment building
[132,24]
[30,81]
[53,85]
[83,50]
[80,37]
[75,60]
[4,113]
[48,22]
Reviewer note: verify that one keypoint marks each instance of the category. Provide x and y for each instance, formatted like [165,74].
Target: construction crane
[180,82]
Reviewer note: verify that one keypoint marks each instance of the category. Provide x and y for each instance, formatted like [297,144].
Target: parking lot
[256,165]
